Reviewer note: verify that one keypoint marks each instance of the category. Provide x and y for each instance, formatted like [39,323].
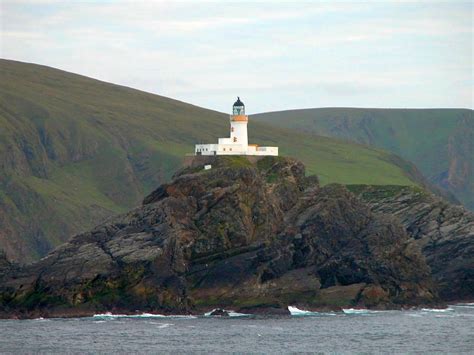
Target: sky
[274,55]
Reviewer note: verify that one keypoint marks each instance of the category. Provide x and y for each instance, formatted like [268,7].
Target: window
[224,149]
[232,129]
[238,110]
[235,139]
[230,149]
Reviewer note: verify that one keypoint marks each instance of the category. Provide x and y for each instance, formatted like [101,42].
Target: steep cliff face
[444,232]
[460,175]
[248,235]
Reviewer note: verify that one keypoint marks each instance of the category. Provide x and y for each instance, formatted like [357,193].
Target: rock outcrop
[444,232]
[246,235]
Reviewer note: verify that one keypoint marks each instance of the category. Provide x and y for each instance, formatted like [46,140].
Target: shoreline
[205,312]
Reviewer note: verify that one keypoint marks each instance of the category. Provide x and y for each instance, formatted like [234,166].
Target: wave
[229,312]
[466,305]
[142,315]
[359,311]
[164,325]
[437,310]
[300,312]
[296,312]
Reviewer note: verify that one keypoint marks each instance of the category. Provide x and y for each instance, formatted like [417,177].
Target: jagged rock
[250,235]
[445,233]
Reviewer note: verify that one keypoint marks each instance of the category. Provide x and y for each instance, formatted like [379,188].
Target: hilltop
[440,142]
[74,151]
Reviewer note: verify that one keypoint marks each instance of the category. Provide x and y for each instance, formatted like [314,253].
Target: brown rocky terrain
[444,232]
[254,236]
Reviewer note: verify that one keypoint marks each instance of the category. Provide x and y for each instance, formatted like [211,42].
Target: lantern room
[238,108]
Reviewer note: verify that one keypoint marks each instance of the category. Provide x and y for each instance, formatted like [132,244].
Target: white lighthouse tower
[238,124]
[237,144]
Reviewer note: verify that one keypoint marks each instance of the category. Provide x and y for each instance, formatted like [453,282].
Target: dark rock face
[444,232]
[5,264]
[253,236]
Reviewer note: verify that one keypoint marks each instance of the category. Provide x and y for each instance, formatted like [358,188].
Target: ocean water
[352,331]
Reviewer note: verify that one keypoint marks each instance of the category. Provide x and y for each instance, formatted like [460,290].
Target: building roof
[238,102]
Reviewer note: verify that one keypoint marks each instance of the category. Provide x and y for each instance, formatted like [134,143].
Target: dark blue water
[427,331]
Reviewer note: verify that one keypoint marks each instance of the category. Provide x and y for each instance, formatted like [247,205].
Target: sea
[427,331]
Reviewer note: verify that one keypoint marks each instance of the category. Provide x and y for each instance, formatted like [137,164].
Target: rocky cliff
[249,235]
[444,232]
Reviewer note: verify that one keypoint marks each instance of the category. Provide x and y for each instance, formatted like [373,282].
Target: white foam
[237,314]
[164,325]
[229,312]
[300,312]
[467,305]
[437,310]
[358,311]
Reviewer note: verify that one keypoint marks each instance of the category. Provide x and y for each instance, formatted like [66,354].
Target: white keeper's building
[237,144]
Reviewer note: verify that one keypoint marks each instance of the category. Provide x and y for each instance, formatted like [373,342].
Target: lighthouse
[237,143]
[238,124]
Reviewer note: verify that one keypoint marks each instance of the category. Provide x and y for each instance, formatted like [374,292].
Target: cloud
[327,53]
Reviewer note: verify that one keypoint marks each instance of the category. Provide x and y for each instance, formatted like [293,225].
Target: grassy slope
[439,141]
[74,150]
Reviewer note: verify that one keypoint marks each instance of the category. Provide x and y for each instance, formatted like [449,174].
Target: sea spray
[230,313]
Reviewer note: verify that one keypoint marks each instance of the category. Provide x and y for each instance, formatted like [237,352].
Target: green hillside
[439,141]
[74,150]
